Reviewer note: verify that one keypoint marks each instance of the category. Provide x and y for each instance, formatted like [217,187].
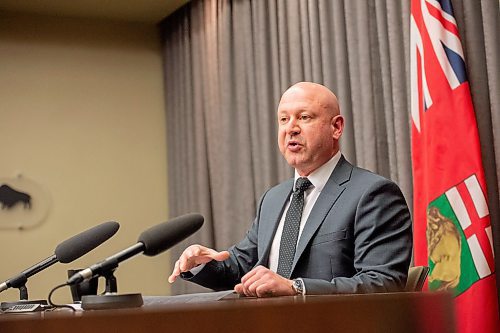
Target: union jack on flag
[452,228]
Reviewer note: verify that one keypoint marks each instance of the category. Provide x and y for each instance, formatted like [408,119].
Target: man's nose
[292,127]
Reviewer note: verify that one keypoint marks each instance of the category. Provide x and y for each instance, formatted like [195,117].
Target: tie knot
[302,184]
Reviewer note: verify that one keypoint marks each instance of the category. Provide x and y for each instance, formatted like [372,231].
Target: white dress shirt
[318,179]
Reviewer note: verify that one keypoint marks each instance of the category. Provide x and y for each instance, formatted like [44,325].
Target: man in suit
[334,228]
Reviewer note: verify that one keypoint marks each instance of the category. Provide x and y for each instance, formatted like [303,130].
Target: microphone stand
[20,281]
[111,284]
[23,305]
[111,299]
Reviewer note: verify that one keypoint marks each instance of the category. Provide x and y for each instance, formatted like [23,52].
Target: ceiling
[145,11]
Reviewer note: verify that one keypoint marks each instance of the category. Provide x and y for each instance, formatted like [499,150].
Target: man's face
[308,133]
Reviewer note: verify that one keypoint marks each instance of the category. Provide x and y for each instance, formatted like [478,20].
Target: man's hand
[262,282]
[193,256]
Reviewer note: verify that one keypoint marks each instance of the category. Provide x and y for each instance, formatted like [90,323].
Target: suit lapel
[327,198]
[269,222]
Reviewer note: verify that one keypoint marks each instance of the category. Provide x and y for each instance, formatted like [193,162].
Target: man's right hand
[193,256]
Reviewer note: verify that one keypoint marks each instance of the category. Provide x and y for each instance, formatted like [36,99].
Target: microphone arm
[151,242]
[19,281]
[107,265]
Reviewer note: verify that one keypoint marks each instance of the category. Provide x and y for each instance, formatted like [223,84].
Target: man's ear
[337,126]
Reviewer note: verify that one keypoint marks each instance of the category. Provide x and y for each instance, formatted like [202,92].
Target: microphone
[151,242]
[66,252]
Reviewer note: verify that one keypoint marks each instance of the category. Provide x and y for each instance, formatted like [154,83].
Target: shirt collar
[320,176]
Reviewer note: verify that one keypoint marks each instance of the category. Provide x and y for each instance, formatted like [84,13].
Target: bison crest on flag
[459,243]
[444,245]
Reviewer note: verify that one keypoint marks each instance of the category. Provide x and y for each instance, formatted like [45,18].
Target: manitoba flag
[452,230]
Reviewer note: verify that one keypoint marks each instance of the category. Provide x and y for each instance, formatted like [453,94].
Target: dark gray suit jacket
[357,239]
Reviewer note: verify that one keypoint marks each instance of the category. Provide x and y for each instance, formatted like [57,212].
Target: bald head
[317,93]
[310,126]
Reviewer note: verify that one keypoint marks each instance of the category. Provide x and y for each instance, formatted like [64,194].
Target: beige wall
[82,113]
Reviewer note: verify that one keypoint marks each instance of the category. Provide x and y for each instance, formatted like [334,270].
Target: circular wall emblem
[23,203]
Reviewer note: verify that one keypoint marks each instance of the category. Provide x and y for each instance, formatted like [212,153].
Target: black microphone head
[165,235]
[76,246]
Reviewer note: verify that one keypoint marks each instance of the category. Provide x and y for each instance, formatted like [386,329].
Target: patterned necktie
[291,228]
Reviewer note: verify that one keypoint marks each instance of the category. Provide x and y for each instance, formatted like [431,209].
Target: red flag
[452,229]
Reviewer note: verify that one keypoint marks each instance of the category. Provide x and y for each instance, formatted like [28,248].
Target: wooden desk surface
[393,312]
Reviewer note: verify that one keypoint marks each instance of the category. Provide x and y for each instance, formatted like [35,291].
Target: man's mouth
[293,145]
